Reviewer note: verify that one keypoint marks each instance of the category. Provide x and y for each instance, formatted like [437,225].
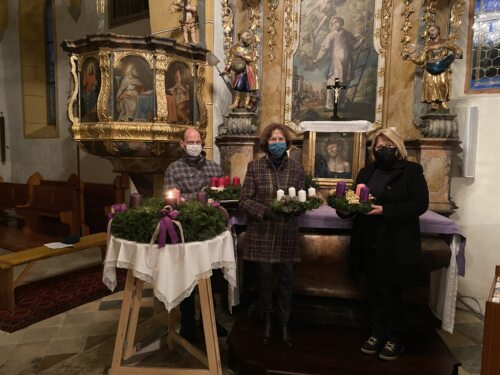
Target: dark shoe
[221,331]
[268,330]
[286,337]
[391,351]
[372,345]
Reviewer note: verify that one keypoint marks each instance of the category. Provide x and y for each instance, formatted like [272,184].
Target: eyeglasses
[276,139]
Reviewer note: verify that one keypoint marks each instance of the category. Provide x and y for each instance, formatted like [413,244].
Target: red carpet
[45,298]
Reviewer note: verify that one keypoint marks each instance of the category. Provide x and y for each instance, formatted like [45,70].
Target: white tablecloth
[174,270]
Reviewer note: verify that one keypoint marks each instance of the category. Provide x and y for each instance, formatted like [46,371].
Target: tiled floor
[81,340]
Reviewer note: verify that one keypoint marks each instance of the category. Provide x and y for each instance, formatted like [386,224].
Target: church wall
[478,213]
[54,158]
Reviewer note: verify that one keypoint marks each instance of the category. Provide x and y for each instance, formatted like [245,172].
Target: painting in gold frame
[334,156]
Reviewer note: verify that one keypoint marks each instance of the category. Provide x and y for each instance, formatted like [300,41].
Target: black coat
[397,241]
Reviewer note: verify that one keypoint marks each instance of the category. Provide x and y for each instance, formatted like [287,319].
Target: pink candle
[214,181]
[236,181]
[358,189]
[202,197]
[135,200]
[364,194]
[340,189]
[170,199]
[222,182]
[227,180]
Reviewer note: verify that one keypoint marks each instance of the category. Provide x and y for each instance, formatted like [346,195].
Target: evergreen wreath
[228,193]
[199,222]
[288,206]
[349,203]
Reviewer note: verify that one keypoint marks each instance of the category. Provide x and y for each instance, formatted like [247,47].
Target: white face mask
[193,150]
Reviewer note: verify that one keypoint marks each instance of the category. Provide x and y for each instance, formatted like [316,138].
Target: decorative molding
[103,99]
[456,13]
[406,28]
[227,26]
[146,55]
[384,33]
[161,60]
[271,30]
[71,101]
[290,32]
[200,82]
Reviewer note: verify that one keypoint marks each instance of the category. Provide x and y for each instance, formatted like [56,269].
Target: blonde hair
[392,135]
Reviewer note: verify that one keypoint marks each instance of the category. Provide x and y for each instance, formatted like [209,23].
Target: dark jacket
[397,241]
[266,240]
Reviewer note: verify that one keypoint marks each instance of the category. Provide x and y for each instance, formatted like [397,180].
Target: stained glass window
[484,50]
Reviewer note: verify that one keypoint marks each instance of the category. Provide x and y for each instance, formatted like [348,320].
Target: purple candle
[364,194]
[202,197]
[340,189]
[135,200]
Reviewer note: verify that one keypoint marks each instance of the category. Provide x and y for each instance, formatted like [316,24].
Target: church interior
[96,100]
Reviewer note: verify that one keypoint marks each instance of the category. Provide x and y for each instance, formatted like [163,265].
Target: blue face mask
[276,149]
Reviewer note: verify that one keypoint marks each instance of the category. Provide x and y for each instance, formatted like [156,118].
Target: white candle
[311,192]
[280,194]
[292,192]
[302,196]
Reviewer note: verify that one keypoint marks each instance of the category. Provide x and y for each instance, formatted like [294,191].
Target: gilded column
[208,87]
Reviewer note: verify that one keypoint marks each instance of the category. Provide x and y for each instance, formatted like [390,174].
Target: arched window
[50,63]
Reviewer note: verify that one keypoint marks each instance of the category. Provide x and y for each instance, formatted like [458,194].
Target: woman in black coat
[385,243]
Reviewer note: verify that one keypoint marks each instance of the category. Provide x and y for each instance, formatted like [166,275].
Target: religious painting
[483,52]
[335,43]
[334,156]
[179,87]
[90,85]
[133,88]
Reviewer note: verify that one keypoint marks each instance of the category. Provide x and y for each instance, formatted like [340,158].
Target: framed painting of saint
[334,40]
[179,87]
[90,85]
[133,89]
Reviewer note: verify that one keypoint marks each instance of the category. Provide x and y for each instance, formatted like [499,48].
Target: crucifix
[336,97]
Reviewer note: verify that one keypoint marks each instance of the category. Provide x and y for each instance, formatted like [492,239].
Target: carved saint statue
[189,18]
[436,58]
[242,63]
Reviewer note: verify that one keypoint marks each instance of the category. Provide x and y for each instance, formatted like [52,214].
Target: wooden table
[189,265]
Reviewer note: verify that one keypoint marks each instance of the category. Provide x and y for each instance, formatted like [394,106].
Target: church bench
[29,256]
[52,199]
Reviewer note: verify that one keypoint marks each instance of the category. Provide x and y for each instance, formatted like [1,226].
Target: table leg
[209,327]
[123,323]
[134,317]
[7,288]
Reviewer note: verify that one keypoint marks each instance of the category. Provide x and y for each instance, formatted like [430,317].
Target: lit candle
[292,192]
[340,189]
[222,182]
[227,180]
[236,181]
[202,197]
[311,192]
[302,196]
[358,189]
[214,181]
[364,194]
[280,194]
[170,199]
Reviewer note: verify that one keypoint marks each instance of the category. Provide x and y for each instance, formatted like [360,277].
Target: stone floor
[81,341]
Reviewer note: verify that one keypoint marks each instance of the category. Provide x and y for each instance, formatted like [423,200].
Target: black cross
[336,96]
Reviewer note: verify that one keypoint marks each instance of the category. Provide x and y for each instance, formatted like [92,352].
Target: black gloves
[271,215]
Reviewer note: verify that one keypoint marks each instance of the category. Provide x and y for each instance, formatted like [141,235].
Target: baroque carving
[103,99]
[271,30]
[161,99]
[290,32]
[227,26]
[71,101]
[200,81]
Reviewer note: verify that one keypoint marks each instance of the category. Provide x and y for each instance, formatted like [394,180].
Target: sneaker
[391,351]
[372,345]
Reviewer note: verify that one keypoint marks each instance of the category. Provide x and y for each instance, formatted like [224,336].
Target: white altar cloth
[174,270]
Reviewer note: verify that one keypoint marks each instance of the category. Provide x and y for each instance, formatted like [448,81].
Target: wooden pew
[13,194]
[57,200]
[98,198]
[30,256]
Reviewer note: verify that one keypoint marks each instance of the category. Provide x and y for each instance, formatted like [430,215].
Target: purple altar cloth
[325,217]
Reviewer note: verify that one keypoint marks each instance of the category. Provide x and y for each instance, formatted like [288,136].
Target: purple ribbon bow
[167,226]
[117,208]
